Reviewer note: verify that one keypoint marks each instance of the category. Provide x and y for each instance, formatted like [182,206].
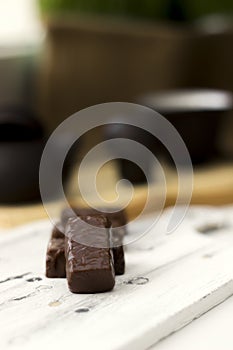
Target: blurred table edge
[213,185]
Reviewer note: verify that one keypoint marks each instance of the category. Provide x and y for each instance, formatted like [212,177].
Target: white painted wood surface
[169,282]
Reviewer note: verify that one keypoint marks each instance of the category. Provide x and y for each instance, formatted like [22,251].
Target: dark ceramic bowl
[197,115]
[21,144]
[22,140]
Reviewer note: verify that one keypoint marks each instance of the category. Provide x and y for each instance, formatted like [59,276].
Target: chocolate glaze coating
[55,258]
[89,269]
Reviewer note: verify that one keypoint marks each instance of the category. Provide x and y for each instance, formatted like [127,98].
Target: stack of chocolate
[91,252]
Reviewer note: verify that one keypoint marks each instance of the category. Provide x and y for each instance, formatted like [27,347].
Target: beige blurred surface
[213,185]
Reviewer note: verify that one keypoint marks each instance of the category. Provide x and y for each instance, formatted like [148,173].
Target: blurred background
[60,56]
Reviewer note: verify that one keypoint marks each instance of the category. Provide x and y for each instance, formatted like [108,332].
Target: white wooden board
[169,282]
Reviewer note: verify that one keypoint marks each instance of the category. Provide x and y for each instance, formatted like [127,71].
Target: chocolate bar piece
[55,258]
[117,219]
[117,249]
[89,261]
[57,231]
[118,253]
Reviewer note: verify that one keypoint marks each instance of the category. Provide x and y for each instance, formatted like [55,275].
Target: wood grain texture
[169,281]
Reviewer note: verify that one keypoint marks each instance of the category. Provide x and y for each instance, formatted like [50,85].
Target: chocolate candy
[89,260]
[55,258]
[116,237]
[118,254]
[117,219]
[57,231]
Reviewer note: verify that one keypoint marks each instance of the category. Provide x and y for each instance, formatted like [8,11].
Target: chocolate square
[55,258]
[117,220]
[57,231]
[118,217]
[89,260]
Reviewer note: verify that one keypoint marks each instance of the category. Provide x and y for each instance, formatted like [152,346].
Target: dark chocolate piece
[57,231]
[116,237]
[66,214]
[55,258]
[118,218]
[119,259]
[89,268]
